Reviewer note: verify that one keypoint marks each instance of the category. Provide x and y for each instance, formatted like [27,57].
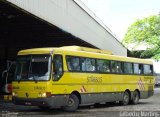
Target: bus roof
[83,51]
[36,51]
[86,49]
[69,48]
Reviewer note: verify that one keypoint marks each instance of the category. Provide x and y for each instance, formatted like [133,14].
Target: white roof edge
[90,13]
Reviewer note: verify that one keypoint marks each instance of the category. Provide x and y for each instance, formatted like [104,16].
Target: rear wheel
[126,98]
[73,103]
[136,97]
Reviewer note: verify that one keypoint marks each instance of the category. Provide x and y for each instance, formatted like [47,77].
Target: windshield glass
[33,67]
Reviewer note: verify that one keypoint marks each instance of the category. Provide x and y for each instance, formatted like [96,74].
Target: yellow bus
[71,76]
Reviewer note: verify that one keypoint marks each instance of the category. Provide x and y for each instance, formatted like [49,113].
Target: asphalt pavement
[145,108]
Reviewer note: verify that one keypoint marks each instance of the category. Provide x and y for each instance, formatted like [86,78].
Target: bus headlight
[46,94]
[42,95]
[15,94]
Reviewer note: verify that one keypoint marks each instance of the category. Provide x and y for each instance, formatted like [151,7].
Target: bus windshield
[33,68]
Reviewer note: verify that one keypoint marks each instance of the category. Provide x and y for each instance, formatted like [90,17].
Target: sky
[118,15]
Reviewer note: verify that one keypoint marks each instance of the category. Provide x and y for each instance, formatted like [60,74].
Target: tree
[145,31]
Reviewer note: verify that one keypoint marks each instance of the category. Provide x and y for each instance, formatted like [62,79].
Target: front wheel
[73,103]
[126,98]
[136,97]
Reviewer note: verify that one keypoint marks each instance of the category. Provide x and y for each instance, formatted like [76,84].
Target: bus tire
[126,98]
[73,103]
[135,98]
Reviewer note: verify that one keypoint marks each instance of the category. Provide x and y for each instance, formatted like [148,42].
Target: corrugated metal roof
[100,22]
[71,17]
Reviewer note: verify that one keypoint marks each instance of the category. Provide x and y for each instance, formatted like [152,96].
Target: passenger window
[147,69]
[103,66]
[73,63]
[88,64]
[58,67]
[151,68]
[136,68]
[140,69]
[128,68]
[116,67]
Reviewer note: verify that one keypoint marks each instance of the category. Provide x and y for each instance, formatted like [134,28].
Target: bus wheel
[73,103]
[126,98]
[136,97]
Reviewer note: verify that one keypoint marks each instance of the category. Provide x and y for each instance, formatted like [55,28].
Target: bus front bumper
[53,102]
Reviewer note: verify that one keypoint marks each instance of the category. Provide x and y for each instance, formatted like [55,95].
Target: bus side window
[103,66]
[151,69]
[128,68]
[148,69]
[73,63]
[116,67]
[136,68]
[57,67]
[88,64]
[83,64]
[140,69]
